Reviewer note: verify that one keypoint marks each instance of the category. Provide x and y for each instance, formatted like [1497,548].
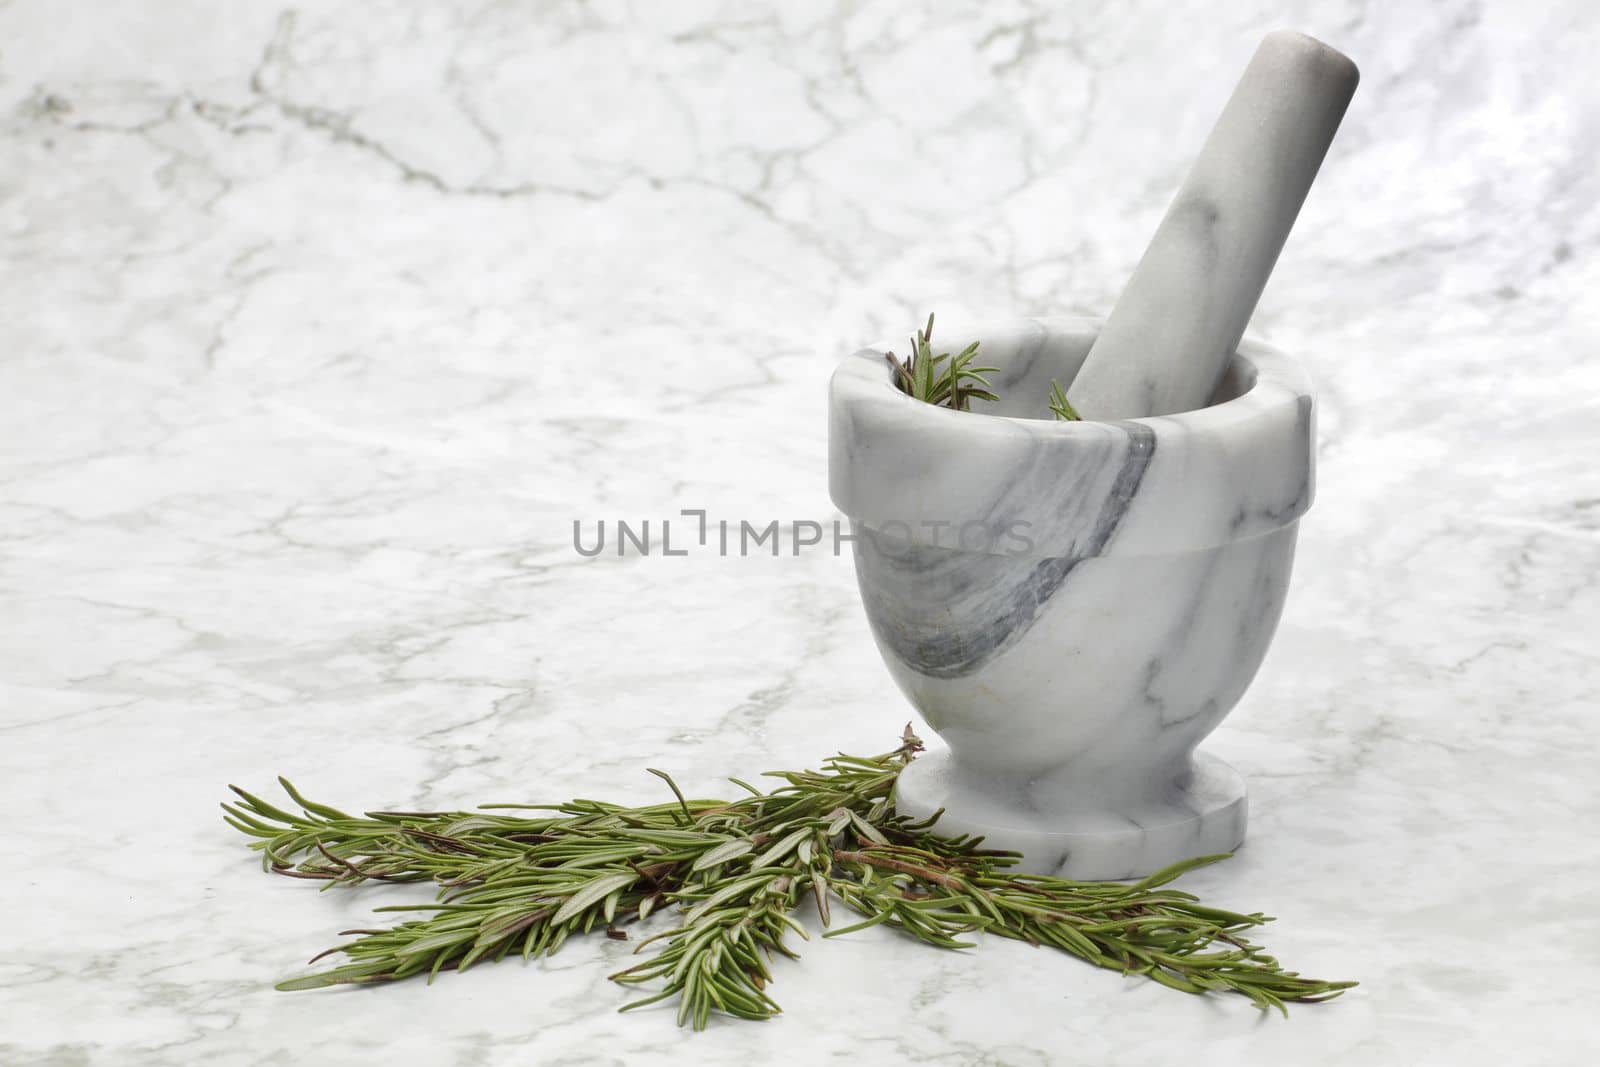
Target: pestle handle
[1170,336]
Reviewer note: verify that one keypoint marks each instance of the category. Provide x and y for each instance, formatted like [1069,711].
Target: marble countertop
[320,327]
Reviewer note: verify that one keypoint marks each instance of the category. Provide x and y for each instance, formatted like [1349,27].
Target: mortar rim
[857,381]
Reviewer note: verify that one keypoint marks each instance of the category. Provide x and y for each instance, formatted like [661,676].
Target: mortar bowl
[1073,606]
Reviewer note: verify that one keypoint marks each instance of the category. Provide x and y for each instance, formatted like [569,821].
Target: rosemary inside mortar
[736,871]
[955,384]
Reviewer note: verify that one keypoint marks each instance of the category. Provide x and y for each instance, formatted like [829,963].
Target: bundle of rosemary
[736,871]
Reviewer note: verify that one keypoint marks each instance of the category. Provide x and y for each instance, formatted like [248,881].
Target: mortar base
[1201,812]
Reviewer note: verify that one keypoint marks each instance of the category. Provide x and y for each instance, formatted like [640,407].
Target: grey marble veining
[319,327]
[1117,593]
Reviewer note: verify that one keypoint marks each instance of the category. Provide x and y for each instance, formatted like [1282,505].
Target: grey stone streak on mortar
[992,600]
[1269,517]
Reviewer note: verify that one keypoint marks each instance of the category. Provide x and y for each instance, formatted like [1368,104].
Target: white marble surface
[318,329]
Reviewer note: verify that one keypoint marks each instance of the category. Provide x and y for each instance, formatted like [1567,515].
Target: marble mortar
[1072,607]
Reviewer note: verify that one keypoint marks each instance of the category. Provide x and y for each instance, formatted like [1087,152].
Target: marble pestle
[1168,340]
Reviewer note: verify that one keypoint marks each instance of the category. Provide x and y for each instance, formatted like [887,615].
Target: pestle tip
[1317,57]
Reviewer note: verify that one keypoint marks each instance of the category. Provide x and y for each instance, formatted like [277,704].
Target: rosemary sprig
[1063,411]
[737,871]
[958,383]
[954,385]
